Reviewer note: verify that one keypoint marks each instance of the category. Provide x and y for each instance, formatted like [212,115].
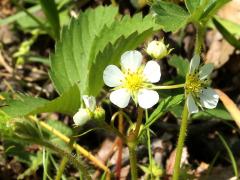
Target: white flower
[157,49]
[84,114]
[133,81]
[196,86]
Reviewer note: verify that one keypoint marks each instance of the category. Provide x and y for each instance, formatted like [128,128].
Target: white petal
[81,117]
[112,76]
[152,71]
[195,61]
[209,98]
[192,107]
[147,98]
[120,97]
[90,102]
[205,71]
[131,60]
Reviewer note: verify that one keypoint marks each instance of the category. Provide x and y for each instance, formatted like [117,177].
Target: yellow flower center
[193,84]
[133,80]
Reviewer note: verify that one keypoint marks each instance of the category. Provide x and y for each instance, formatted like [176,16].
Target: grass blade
[50,10]
[233,161]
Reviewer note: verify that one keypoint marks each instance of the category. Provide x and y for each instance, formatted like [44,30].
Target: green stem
[61,168]
[133,161]
[132,145]
[64,160]
[180,144]
[168,87]
[139,123]
[149,147]
[199,38]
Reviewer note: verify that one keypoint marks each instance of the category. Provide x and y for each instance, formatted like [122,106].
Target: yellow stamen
[133,80]
[193,84]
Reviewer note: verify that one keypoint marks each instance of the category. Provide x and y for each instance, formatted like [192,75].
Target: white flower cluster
[135,81]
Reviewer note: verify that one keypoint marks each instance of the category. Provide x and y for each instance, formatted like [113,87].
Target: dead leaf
[219,51]
[231,11]
[230,106]
[201,168]
[171,160]
[105,150]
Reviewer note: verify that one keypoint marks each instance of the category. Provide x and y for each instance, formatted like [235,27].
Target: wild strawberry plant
[101,47]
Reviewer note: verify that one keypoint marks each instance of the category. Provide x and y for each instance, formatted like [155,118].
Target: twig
[4,63]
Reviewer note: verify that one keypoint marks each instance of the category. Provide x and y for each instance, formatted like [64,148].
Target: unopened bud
[99,113]
[157,49]
[82,116]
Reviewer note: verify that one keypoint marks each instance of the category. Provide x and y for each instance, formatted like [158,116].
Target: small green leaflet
[170,16]
[181,64]
[192,5]
[164,106]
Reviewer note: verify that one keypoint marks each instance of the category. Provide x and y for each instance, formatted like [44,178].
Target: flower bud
[157,49]
[82,116]
[138,4]
[99,113]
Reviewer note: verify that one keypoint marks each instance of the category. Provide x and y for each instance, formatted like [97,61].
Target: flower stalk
[132,145]
[168,87]
[64,160]
[180,144]
[199,38]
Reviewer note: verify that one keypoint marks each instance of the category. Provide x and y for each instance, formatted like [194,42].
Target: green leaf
[192,5]
[226,33]
[25,105]
[78,53]
[50,10]
[218,112]
[181,64]
[169,15]
[36,162]
[164,106]
[15,148]
[22,105]
[67,103]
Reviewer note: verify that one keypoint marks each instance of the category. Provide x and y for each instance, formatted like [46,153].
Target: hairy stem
[199,38]
[133,161]
[149,147]
[61,168]
[132,145]
[180,144]
[64,160]
[120,146]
